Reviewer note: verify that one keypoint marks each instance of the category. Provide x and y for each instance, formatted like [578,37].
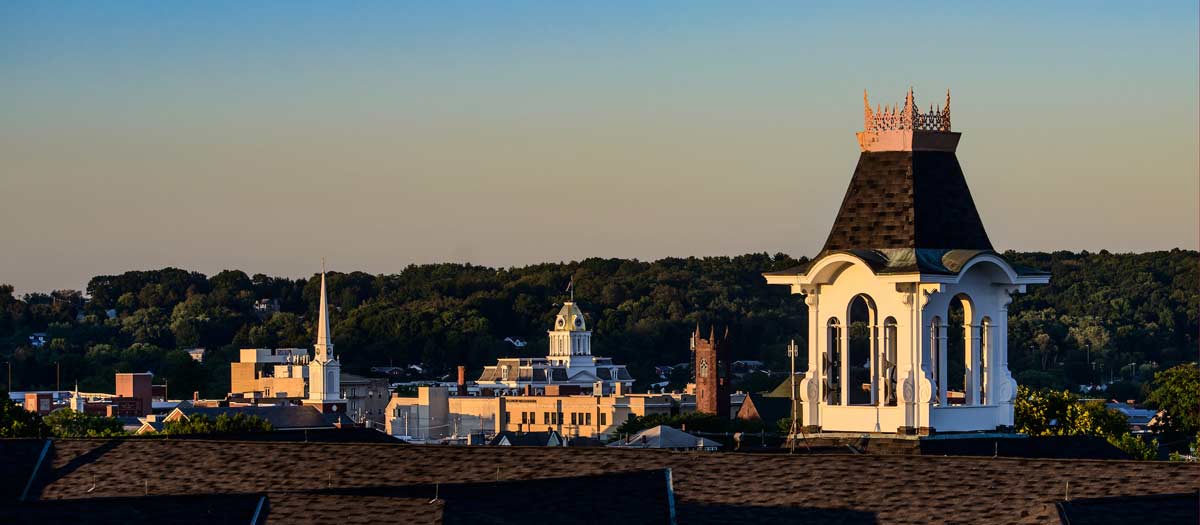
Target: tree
[16,422]
[1061,413]
[222,424]
[1176,392]
[67,423]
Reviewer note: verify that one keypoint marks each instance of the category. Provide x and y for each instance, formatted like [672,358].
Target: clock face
[578,322]
[561,323]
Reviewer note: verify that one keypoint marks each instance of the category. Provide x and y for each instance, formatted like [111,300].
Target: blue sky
[262,136]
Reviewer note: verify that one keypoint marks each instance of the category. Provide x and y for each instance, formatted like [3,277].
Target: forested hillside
[1121,314]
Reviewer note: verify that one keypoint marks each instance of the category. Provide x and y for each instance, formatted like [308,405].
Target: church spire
[324,342]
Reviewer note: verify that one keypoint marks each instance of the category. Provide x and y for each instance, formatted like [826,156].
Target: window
[507,417]
[545,418]
[573,418]
[603,419]
[524,417]
[589,418]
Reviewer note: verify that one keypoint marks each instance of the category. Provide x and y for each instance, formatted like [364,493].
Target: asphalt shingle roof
[708,487]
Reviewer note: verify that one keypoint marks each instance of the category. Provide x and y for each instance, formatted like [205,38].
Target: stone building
[569,366]
[908,256]
[435,414]
[713,379]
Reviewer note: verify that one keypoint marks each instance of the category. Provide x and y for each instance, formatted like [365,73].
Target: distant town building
[366,398]
[37,339]
[435,415]
[197,354]
[270,373]
[570,363]
[665,437]
[324,372]
[549,438]
[713,380]
[907,246]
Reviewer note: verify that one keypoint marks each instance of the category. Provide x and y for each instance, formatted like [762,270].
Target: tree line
[1104,318]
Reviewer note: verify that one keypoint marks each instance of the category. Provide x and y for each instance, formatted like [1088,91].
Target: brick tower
[712,372]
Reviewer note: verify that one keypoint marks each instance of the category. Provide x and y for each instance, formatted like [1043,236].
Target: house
[527,439]
[665,437]
[768,410]
[197,354]
[281,417]
[37,339]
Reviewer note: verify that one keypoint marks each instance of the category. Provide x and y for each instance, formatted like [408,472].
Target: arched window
[887,362]
[861,369]
[833,364]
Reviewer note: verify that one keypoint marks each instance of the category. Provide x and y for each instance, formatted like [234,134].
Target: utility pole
[57,377]
[792,351]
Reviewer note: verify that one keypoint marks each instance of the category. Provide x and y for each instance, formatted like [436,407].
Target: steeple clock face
[578,322]
[561,323]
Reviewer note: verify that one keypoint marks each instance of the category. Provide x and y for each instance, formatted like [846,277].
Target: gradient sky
[211,135]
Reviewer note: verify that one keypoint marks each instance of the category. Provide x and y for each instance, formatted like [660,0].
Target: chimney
[618,388]
[528,390]
[195,396]
[462,380]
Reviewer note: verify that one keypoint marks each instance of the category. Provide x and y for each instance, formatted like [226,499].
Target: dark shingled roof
[1167,509]
[281,417]
[908,199]
[771,409]
[708,487]
[908,211]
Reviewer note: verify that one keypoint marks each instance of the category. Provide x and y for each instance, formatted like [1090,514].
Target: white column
[875,361]
[844,371]
[942,362]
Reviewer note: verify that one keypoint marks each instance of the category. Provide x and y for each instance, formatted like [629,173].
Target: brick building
[712,372]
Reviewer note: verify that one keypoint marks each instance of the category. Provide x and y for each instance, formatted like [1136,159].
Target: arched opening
[860,350]
[960,343]
[832,376]
[887,362]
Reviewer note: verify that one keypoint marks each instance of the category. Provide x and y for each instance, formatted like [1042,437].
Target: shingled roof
[908,211]
[708,487]
[908,199]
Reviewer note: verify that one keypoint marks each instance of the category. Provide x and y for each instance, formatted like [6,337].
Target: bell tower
[907,256]
[570,340]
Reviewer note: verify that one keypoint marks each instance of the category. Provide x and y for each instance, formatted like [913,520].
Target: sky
[263,136]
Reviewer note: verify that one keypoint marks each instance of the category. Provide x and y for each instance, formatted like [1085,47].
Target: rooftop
[708,487]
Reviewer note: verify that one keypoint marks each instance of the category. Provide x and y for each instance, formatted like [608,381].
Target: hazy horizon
[263,137]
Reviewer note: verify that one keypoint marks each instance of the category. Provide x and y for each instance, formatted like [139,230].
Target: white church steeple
[325,370]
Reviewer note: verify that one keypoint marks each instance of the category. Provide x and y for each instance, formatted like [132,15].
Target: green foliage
[67,423]
[691,421]
[222,424]
[1102,316]
[1176,392]
[16,422]
[1061,413]
[1136,447]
